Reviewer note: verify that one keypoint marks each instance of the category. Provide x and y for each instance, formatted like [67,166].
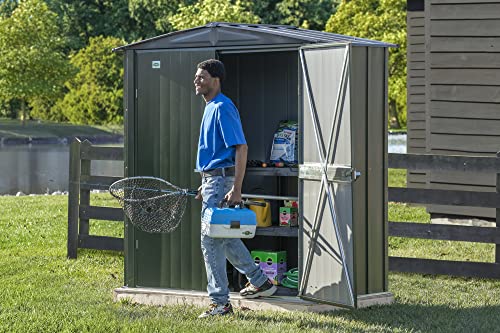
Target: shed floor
[160,297]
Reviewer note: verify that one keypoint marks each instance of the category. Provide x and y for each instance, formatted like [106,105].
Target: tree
[206,11]
[31,62]
[95,94]
[156,14]
[7,7]
[383,20]
[81,20]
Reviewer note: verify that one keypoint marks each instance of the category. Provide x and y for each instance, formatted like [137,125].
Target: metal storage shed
[336,88]
[453,91]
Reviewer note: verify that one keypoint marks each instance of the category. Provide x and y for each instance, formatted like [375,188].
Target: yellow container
[263,213]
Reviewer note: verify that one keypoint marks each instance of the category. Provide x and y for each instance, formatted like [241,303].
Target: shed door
[325,177]
[167,130]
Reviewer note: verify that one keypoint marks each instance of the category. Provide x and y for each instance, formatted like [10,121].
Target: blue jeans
[217,250]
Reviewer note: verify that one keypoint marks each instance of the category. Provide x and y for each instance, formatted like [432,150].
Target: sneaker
[217,310]
[251,291]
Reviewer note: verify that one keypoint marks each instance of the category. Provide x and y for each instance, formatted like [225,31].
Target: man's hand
[198,195]
[233,197]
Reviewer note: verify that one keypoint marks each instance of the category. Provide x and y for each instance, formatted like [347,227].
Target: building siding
[416,110]
[462,91]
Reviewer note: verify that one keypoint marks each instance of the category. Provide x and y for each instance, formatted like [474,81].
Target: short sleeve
[230,126]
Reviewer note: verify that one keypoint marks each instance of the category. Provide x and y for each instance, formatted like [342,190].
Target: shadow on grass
[404,317]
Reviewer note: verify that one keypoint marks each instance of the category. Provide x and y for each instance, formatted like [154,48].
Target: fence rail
[419,162]
[81,182]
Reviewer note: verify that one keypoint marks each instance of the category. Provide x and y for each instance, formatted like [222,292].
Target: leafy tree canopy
[95,94]
[156,14]
[307,14]
[81,20]
[383,20]
[311,14]
[206,11]
[32,64]
[7,7]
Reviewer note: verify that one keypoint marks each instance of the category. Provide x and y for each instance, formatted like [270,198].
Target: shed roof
[222,34]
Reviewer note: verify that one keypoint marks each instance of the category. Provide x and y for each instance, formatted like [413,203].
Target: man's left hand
[233,197]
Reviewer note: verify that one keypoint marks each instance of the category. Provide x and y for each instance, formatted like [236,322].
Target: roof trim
[284,31]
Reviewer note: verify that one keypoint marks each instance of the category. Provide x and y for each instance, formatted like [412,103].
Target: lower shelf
[278,231]
[284,291]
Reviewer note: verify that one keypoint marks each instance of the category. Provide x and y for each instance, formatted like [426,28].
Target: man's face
[204,83]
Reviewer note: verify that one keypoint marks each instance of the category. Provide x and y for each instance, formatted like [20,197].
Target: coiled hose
[291,279]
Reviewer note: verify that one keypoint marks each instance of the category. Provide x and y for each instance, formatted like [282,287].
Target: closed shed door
[167,130]
[326,176]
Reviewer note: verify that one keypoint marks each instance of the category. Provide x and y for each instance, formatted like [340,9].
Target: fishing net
[152,204]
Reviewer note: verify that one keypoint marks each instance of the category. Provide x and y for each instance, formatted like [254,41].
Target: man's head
[209,77]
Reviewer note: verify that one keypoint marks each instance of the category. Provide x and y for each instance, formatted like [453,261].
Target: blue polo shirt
[220,131]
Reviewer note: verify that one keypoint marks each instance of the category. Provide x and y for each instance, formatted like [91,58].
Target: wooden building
[454,90]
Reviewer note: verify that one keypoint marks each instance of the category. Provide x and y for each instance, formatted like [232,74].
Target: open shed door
[325,177]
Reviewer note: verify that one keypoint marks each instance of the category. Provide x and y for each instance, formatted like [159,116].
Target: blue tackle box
[229,222]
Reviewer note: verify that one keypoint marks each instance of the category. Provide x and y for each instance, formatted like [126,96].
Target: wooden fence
[81,182]
[419,162]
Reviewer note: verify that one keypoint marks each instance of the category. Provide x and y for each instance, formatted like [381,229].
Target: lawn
[42,291]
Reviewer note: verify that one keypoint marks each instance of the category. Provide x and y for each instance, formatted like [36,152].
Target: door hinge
[136,244]
[135,93]
[335,173]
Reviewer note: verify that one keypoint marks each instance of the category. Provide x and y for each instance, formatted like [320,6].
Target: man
[222,157]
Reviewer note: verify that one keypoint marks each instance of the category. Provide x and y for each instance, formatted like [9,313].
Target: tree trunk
[23,112]
[393,115]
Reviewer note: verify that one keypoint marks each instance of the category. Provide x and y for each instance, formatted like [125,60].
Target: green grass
[429,249]
[42,291]
[10,128]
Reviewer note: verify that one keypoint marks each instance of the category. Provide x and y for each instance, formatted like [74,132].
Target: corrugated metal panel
[168,119]
[219,34]
[326,278]
[369,131]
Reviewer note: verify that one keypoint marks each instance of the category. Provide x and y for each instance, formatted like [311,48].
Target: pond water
[397,143]
[39,169]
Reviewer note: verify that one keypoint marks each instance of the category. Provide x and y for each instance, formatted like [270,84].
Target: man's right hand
[198,195]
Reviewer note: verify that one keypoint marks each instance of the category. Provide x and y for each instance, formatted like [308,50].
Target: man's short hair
[214,67]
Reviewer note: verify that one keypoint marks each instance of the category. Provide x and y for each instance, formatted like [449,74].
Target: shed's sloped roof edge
[220,34]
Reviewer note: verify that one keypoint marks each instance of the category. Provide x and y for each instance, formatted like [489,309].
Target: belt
[229,171]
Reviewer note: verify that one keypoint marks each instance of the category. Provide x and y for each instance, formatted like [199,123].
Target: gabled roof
[221,34]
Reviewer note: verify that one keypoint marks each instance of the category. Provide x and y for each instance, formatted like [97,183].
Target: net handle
[242,204]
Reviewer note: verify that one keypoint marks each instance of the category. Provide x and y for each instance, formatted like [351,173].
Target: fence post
[85,194]
[73,198]
[497,246]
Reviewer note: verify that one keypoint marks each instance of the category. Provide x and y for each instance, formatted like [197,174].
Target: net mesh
[152,204]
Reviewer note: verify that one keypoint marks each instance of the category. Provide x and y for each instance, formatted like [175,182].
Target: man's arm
[234,195]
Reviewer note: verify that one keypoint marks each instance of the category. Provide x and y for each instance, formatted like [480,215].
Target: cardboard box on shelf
[288,216]
[272,263]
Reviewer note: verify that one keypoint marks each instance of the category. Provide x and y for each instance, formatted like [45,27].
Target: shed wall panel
[376,149]
[168,123]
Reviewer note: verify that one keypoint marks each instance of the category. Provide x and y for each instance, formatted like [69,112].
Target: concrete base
[160,297]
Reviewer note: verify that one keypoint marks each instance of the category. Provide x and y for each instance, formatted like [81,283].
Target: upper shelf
[273,171]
